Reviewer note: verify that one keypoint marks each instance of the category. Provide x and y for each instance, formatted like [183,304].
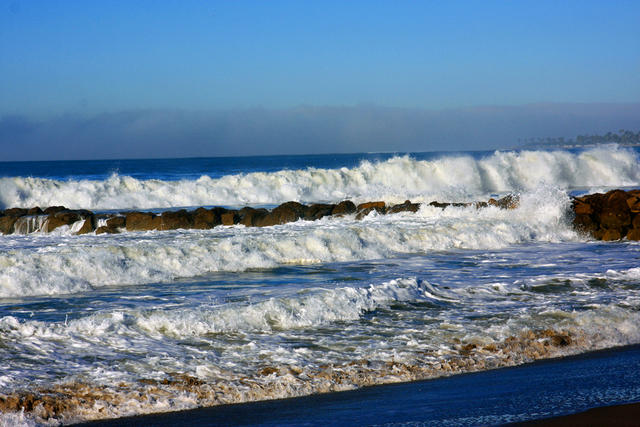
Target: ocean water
[142,322]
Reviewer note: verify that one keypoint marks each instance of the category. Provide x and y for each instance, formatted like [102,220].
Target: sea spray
[450,178]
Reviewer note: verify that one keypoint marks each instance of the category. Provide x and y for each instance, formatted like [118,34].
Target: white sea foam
[451,178]
[64,264]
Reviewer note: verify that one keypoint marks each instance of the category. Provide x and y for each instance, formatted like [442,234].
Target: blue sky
[61,58]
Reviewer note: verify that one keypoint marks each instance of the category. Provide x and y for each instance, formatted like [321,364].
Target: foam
[450,178]
[49,265]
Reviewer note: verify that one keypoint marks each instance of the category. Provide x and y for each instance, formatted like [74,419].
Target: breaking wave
[451,178]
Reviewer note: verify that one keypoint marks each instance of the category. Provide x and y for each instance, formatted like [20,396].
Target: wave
[451,178]
[50,264]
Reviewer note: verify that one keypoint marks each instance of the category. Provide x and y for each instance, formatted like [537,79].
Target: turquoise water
[157,321]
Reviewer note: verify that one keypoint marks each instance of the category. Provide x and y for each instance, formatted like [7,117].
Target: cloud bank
[302,130]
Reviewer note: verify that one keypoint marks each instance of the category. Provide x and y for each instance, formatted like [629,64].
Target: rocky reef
[610,216]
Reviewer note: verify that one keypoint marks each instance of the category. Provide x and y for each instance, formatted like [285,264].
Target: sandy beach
[560,391]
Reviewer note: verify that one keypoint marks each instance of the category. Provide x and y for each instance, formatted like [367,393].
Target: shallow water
[155,321]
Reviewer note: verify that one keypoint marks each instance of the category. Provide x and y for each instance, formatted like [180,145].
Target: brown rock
[507,202]
[286,212]
[318,210]
[107,229]
[345,207]
[634,234]
[61,218]
[204,219]
[407,206]
[634,204]
[88,226]
[176,220]
[378,206]
[581,208]
[142,221]
[116,222]
[229,218]
[54,209]
[250,217]
[35,211]
[15,212]
[441,205]
[610,235]
[584,224]
[6,224]
[635,222]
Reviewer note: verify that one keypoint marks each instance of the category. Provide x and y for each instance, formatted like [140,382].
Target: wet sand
[546,391]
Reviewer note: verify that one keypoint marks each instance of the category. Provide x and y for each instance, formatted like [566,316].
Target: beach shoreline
[553,390]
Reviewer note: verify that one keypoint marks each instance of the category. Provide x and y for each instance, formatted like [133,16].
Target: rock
[35,211]
[204,219]
[249,217]
[407,206]
[318,210]
[584,224]
[176,220]
[439,205]
[507,202]
[610,235]
[634,203]
[6,224]
[615,214]
[88,226]
[286,212]
[345,207]
[116,222]
[61,218]
[365,208]
[142,221]
[634,234]
[229,218]
[15,212]
[107,229]
[581,208]
[635,222]
[54,209]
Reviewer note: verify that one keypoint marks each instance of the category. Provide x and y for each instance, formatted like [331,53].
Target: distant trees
[622,137]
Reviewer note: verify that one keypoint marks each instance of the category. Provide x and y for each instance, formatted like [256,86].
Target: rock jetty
[610,216]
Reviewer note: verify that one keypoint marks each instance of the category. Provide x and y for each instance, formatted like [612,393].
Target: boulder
[318,210]
[61,218]
[407,206]
[250,217]
[286,212]
[580,207]
[35,211]
[54,209]
[142,221]
[204,219]
[116,222]
[635,222]
[345,207]
[229,218]
[634,203]
[176,220]
[107,229]
[584,224]
[15,212]
[634,234]
[507,202]
[615,213]
[610,235]
[6,224]
[365,208]
[88,226]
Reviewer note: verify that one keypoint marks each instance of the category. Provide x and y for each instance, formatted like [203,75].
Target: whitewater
[140,322]
[452,178]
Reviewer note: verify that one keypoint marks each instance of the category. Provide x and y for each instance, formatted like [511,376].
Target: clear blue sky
[94,57]
[59,56]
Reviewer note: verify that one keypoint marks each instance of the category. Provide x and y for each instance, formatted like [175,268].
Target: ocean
[142,322]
